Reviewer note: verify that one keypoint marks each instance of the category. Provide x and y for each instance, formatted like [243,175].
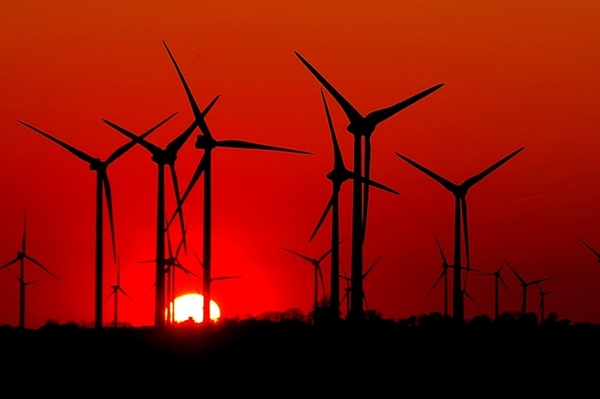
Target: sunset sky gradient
[516,74]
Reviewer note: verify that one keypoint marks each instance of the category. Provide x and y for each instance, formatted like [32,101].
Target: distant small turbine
[318,272]
[498,279]
[460,193]
[115,290]
[525,285]
[543,300]
[21,256]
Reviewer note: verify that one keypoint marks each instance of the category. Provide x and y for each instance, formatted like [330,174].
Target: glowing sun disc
[192,306]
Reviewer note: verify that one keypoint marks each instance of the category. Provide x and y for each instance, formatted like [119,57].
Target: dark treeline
[288,350]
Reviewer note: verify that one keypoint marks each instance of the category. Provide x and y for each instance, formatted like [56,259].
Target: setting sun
[191,306]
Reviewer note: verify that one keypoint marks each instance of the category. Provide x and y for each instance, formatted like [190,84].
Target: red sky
[516,74]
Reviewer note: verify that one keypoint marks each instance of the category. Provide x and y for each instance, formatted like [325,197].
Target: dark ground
[380,357]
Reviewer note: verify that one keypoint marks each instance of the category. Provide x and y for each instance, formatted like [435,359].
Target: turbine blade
[180,206]
[111,220]
[472,299]
[195,109]
[515,273]
[477,178]
[442,274]
[351,113]
[338,160]
[505,286]
[126,147]
[226,278]
[447,184]
[541,280]
[306,258]
[41,266]
[444,261]
[169,243]
[175,145]
[463,203]
[374,184]
[370,268]
[126,294]
[78,153]
[324,255]
[153,149]
[255,146]
[9,263]
[322,218]
[379,116]
[202,165]
[320,271]
[109,295]
[590,248]
[198,259]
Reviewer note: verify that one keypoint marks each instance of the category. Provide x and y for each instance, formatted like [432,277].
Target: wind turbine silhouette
[338,175]
[443,274]
[590,248]
[115,290]
[460,192]
[163,157]
[497,279]
[361,126]
[525,285]
[316,262]
[102,190]
[543,300]
[21,256]
[208,143]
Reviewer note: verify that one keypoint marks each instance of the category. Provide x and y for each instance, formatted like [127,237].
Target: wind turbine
[590,248]
[338,175]
[21,256]
[102,190]
[525,285]
[163,157]
[543,300]
[115,290]
[316,262]
[361,126]
[497,279]
[459,191]
[443,274]
[208,143]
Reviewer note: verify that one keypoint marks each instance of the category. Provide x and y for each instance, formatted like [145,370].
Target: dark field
[386,358]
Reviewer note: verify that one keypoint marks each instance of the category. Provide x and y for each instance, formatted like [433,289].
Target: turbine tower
[21,256]
[102,190]
[361,126]
[460,209]
[338,175]
[497,280]
[208,143]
